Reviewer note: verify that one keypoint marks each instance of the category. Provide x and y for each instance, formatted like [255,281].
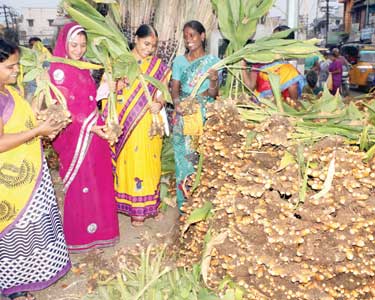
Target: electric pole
[5,9]
[327,20]
[292,8]
[10,19]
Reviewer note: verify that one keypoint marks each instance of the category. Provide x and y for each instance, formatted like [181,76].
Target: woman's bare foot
[137,221]
[159,217]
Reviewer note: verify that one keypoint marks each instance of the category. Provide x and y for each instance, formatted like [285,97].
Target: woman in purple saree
[90,213]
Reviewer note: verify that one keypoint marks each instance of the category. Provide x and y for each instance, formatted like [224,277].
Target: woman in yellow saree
[33,252]
[136,156]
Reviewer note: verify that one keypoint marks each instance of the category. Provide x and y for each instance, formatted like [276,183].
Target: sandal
[137,221]
[21,296]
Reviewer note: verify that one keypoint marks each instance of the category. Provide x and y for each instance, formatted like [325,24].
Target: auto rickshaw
[362,59]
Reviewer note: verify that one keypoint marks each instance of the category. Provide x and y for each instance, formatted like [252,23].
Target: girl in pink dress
[90,218]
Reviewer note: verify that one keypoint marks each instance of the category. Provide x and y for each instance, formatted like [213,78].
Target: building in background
[360,20]
[333,34]
[37,22]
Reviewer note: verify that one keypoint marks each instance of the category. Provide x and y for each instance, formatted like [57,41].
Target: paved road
[355,93]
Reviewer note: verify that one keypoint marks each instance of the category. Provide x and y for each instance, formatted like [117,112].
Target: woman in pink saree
[90,218]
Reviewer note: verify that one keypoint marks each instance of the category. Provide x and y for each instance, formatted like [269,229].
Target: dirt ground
[77,283]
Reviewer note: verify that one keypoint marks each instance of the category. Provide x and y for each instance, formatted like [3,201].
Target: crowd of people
[101,180]
[332,69]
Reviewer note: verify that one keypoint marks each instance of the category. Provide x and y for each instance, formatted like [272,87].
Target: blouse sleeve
[2,108]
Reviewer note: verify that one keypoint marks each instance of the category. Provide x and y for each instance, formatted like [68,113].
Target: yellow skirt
[138,171]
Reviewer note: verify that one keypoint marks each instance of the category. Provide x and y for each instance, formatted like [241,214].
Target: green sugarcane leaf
[48,99]
[27,62]
[115,28]
[89,23]
[123,69]
[127,57]
[327,102]
[26,51]
[275,84]
[198,215]
[364,139]
[253,116]
[314,41]
[245,30]
[295,48]
[115,12]
[76,63]
[246,6]
[370,154]
[105,1]
[40,87]
[286,160]
[281,34]
[84,6]
[32,74]
[160,86]
[100,54]
[215,4]
[262,9]
[235,8]
[269,104]
[118,51]
[225,18]
[271,44]
[262,57]
[353,113]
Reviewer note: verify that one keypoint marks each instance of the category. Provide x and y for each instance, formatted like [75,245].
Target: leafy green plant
[34,67]
[150,278]
[238,19]
[264,50]
[198,215]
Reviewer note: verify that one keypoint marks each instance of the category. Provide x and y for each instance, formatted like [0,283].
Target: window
[367,56]
[50,22]
[30,22]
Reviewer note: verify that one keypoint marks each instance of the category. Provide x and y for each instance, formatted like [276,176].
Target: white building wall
[37,22]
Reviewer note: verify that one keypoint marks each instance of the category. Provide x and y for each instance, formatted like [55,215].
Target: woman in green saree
[186,71]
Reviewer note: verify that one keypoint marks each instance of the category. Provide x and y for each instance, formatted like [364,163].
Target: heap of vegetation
[291,201]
